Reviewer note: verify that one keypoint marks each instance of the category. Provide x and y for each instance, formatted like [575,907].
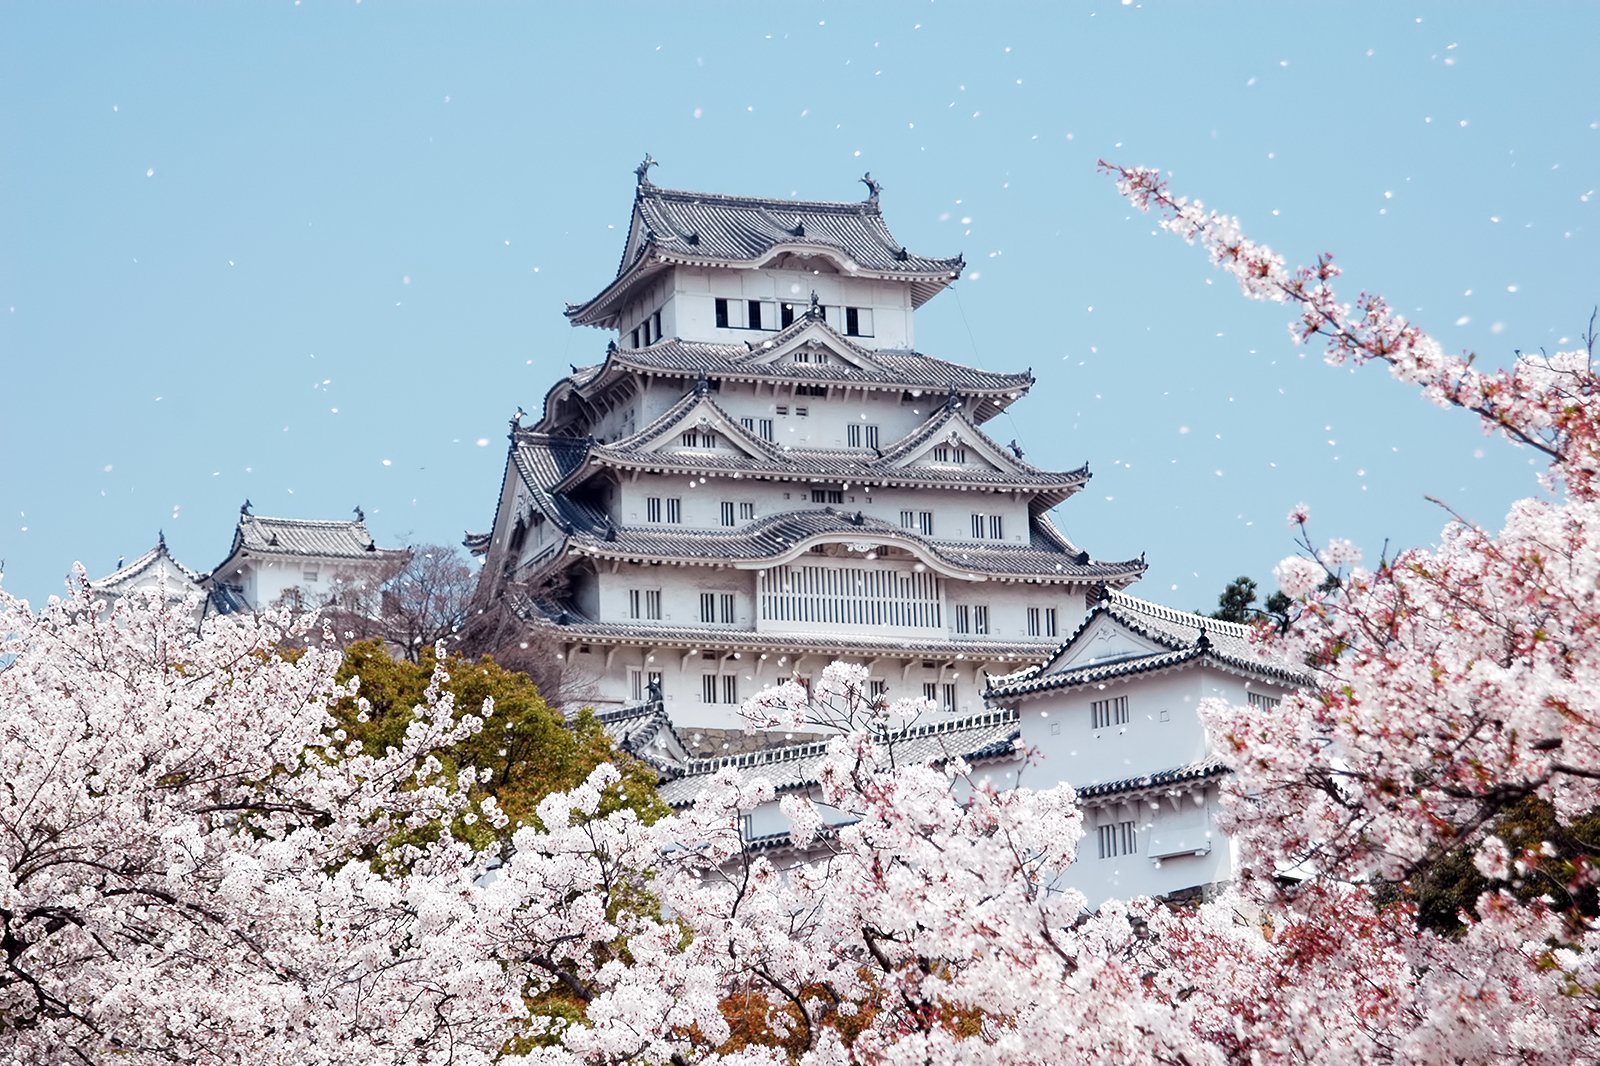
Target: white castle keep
[763,475]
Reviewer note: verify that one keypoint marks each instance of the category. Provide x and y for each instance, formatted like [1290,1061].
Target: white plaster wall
[1163,729]
[693,312]
[702,504]
[266,580]
[1189,817]
[682,670]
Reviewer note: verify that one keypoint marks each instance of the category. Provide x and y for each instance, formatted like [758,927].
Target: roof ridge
[1186,618]
[852,207]
[789,752]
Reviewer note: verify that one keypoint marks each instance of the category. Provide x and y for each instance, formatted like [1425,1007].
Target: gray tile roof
[1179,633]
[990,735]
[985,392]
[676,226]
[1200,770]
[896,369]
[764,459]
[146,565]
[645,732]
[259,534]
[777,535]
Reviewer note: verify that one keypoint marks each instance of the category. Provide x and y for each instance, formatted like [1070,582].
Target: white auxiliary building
[304,562]
[157,570]
[764,475]
[1112,711]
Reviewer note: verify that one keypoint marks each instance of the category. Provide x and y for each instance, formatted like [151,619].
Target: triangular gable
[1101,639]
[155,569]
[714,429]
[949,441]
[810,335]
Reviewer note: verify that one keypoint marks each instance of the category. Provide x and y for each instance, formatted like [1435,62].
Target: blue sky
[315,254]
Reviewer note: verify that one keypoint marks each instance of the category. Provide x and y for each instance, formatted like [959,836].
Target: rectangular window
[1117,838]
[963,618]
[1262,702]
[727,512]
[641,682]
[730,688]
[1050,622]
[310,577]
[925,520]
[980,620]
[1103,714]
[698,438]
[708,607]
[748,423]
[827,495]
[708,688]
[722,314]
[652,508]
[1041,621]
[747,512]
[948,453]
[785,315]
[655,325]
[766,429]
[755,314]
[811,390]
[725,608]
[877,688]
[644,604]
[674,510]
[782,409]
[858,321]
[1035,624]
[997,529]
[977,526]
[947,696]
[908,519]
[858,435]
[801,412]
[930,692]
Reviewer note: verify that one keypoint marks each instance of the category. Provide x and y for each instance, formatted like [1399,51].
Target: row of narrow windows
[720,608]
[773,315]
[668,510]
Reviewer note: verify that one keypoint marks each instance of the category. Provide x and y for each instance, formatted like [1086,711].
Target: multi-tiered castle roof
[763,462]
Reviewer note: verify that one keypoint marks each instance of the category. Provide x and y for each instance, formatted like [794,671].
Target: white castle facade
[764,475]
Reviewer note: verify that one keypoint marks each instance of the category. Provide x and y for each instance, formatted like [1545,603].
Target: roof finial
[1202,642]
[952,402]
[815,310]
[161,538]
[244,511]
[1016,449]
[642,171]
[361,516]
[873,187]
[702,384]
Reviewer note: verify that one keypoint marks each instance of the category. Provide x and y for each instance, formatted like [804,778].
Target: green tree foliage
[525,751]
[1237,603]
[1450,885]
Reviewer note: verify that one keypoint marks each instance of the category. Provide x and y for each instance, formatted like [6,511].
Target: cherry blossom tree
[195,866]
[1455,683]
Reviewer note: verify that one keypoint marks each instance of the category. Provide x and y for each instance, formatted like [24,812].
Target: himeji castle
[763,474]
